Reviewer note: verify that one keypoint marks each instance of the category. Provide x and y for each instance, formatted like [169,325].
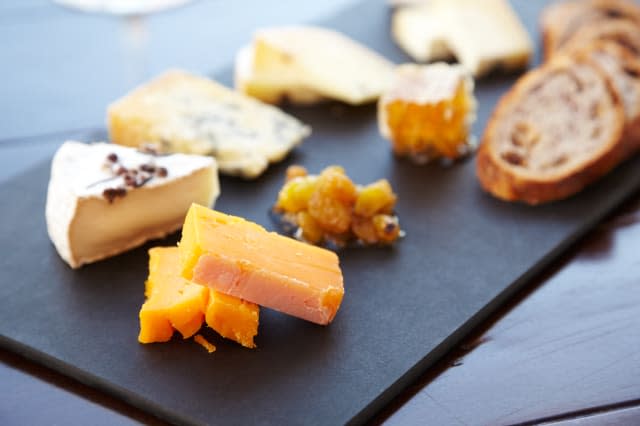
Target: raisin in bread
[560,21]
[557,130]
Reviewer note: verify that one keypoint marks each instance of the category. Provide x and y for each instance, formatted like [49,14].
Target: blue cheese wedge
[306,64]
[185,113]
[104,199]
[481,35]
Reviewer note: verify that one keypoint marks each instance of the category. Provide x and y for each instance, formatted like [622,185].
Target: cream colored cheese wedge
[420,33]
[482,35]
[307,64]
[185,113]
[85,225]
[271,87]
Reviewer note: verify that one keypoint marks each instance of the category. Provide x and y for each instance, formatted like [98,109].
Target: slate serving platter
[464,254]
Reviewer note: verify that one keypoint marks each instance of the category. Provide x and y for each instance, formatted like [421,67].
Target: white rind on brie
[85,225]
[307,64]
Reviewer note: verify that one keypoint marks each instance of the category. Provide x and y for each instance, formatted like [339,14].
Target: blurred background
[72,64]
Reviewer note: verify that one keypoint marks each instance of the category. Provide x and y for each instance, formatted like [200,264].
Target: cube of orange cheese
[242,259]
[175,303]
[233,318]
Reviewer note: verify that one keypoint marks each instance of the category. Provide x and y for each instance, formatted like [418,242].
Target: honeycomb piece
[428,112]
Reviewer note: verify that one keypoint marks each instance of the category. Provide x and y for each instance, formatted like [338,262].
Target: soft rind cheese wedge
[428,112]
[93,214]
[306,64]
[173,303]
[482,35]
[185,113]
[241,259]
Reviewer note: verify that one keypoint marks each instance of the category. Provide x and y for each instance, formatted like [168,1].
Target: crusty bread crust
[555,21]
[622,32]
[625,78]
[510,184]
[560,21]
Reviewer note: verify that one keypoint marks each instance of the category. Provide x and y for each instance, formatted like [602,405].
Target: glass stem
[136,40]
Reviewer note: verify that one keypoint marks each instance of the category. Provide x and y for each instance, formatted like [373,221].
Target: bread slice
[560,21]
[623,69]
[556,131]
[622,32]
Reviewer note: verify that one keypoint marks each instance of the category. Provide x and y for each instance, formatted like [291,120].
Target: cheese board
[463,256]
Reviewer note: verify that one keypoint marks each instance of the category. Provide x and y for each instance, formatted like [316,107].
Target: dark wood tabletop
[566,350]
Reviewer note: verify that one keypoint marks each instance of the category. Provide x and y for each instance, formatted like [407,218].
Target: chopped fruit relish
[329,209]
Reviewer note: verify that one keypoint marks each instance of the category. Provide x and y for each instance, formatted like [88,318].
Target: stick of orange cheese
[241,259]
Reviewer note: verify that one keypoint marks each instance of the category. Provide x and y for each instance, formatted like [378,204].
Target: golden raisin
[311,230]
[329,208]
[335,183]
[332,200]
[377,197]
[295,194]
[331,214]
[294,172]
[387,228]
[336,169]
[364,230]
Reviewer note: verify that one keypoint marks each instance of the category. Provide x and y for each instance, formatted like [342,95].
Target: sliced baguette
[623,69]
[556,131]
[622,32]
[560,21]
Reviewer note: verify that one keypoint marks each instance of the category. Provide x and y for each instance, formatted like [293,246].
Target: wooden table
[566,350]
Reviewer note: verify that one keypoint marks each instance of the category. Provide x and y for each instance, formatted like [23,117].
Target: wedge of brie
[182,112]
[104,199]
[306,64]
[481,35]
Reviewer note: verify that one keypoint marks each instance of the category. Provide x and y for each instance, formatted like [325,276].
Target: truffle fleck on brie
[308,64]
[185,113]
[105,199]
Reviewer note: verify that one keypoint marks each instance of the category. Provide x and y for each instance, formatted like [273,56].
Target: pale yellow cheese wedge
[306,64]
[481,35]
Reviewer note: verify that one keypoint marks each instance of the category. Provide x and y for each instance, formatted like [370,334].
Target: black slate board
[464,254]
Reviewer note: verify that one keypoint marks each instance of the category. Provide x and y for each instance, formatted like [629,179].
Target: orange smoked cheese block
[242,259]
[174,303]
[233,318]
